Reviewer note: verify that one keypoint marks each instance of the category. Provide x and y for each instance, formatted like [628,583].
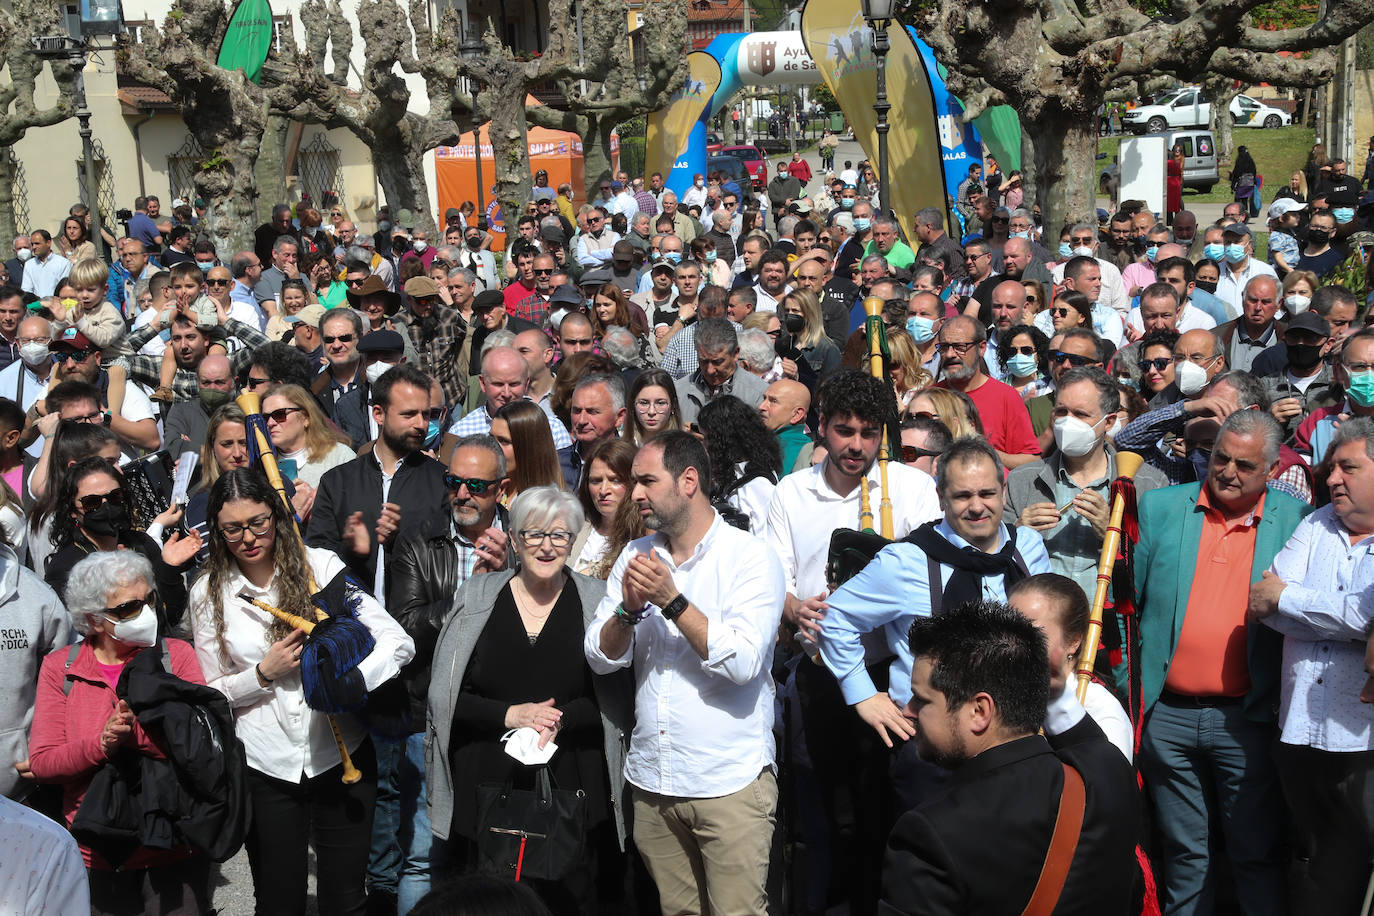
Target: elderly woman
[79,723]
[294,767]
[509,657]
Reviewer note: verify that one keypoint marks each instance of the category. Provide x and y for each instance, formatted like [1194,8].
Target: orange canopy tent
[455,169]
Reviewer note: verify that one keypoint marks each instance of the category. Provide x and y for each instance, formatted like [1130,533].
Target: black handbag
[530,833]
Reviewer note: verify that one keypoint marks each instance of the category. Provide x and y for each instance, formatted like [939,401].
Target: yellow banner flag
[668,128]
[840,41]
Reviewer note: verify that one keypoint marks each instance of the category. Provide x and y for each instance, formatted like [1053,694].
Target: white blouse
[282,736]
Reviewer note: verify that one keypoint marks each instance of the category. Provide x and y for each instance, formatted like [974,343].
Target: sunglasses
[93,501]
[342,338]
[548,271]
[476,485]
[281,413]
[1061,312]
[593,219]
[1073,359]
[1159,364]
[911,453]
[255,383]
[437,413]
[1024,351]
[215,281]
[131,608]
[80,356]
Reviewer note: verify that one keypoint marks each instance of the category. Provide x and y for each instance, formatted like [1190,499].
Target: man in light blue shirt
[896,587]
[1319,593]
[46,269]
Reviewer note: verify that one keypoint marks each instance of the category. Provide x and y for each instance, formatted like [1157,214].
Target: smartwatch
[673,609]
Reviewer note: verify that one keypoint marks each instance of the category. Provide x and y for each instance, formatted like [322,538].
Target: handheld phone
[288,468]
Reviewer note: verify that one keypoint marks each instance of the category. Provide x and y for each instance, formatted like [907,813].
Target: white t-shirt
[137,406]
[155,345]
[593,551]
[33,387]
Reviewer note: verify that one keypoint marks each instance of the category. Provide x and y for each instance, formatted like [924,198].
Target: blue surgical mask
[1235,254]
[672,257]
[710,255]
[433,433]
[1064,250]
[1020,235]
[1199,459]
[1213,251]
[846,203]
[1021,365]
[205,265]
[920,329]
[861,223]
[1343,214]
[1151,253]
[1361,388]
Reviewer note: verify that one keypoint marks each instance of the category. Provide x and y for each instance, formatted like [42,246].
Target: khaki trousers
[709,856]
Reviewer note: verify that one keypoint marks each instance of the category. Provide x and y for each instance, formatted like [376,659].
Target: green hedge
[632,156]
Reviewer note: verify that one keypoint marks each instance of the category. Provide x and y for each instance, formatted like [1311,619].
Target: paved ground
[232,888]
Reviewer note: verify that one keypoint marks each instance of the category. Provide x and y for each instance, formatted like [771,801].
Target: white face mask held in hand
[523,745]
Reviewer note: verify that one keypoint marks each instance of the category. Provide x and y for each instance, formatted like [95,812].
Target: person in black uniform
[980,693]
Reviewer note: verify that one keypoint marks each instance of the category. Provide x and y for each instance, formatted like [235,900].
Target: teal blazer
[1165,562]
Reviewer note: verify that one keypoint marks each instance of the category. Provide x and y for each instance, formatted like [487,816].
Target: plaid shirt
[533,308]
[467,551]
[439,347]
[148,369]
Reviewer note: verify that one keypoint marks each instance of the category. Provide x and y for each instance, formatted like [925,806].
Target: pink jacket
[64,745]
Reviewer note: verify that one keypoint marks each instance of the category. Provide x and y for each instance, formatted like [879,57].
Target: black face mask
[106,521]
[475,242]
[1304,356]
[1318,236]
[793,323]
[1207,286]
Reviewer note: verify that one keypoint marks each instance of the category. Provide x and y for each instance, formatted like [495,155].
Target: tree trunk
[270,171]
[1220,93]
[596,149]
[226,179]
[510,150]
[398,155]
[1065,151]
[8,229]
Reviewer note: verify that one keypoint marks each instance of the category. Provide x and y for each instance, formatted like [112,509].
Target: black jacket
[351,414]
[197,796]
[422,578]
[978,849]
[418,488]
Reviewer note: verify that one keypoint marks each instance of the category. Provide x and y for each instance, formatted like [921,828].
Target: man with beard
[187,421]
[189,345]
[76,359]
[1006,422]
[426,572]
[437,332]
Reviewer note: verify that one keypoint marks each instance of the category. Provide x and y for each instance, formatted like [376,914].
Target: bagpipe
[336,640]
[850,550]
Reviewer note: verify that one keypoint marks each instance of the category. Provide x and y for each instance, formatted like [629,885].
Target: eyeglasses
[255,383]
[130,608]
[1073,359]
[342,338]
[960,348]
[1159,363]
[974,257]
[259,526]
[912,453]
[217,281]
[1359,367]
[80,356]
[1024,351]
[281,413]
[93,501]
[649,406]
[543,271]
[476,485]
[1084,240]
[533,537]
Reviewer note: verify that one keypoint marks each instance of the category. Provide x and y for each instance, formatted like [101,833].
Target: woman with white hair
[79,723]
[509,657]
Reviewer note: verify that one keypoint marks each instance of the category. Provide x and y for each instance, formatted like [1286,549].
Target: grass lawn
[1276,153]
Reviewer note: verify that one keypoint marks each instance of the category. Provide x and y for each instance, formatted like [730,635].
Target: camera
[124,215]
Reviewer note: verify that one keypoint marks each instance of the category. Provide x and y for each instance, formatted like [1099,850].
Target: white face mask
[1297,304]
[23,254]
[377,370]
[1116,427]
[33,354]
[1074,437]
[523,745]
[419,245]
[140,630]
[1190,378]
[1083,251]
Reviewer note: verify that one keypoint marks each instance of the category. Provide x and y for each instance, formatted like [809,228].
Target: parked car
[754,160]
[713,144]
[1188,107]
[1199,162]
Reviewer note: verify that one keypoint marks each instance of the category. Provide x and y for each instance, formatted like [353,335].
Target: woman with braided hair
[254,659]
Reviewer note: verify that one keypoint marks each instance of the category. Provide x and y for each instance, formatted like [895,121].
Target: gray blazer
[472,608]
[1034,482]
[691,397]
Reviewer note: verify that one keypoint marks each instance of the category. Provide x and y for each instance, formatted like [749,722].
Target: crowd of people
[548,568]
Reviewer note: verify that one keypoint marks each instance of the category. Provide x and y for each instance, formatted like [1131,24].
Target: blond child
[94,316]
[188,297]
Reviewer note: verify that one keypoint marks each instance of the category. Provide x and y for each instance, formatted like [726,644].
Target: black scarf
[970,565]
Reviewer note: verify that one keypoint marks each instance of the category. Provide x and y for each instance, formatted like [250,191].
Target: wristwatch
[673,609]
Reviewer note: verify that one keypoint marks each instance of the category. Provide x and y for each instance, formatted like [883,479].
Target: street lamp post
[473,48]
[879,14]
[72,51]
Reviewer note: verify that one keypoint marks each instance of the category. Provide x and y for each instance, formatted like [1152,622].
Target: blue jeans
[385,860]
[1207,768]
[415,837]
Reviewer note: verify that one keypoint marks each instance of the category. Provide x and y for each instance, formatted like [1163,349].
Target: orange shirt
[1210,657]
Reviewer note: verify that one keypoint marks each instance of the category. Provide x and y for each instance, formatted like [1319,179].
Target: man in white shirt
[1239,266]
[772,285]
[808,507]
[24,380]
[696,608]
[1159,311]
[78,360]
[1083,238]
[695,196]
[1318,594]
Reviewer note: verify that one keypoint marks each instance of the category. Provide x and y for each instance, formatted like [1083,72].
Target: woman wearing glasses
[79,723]
[510,657]
[1157,362]
[92,513]
[301,433]
[295,782]
[653,407]
[1023,352]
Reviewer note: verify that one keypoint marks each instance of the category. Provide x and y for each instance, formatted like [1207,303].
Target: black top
[507,669]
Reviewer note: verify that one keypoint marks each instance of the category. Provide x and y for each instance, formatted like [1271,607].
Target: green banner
[248,39]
